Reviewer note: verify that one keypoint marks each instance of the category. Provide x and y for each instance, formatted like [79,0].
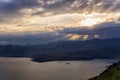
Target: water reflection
[24,69]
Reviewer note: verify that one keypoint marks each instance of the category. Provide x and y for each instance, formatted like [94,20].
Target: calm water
[24,69]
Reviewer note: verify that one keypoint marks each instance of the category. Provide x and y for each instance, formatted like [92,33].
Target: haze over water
[24,69]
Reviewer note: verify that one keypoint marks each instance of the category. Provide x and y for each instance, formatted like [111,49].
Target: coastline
[111,73]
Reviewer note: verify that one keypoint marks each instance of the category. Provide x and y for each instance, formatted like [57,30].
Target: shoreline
[38,60]
[111,73]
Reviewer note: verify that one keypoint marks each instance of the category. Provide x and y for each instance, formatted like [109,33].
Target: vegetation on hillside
[112,73]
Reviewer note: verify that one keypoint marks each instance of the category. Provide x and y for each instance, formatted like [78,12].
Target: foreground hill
[65,50]
[112,73]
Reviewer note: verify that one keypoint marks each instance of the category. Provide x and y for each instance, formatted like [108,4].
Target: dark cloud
[16,5]
[30,38]
[10,10]
[13,7]
[105,30]
[64,6]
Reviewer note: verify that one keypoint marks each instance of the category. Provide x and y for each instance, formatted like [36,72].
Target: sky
[31,22]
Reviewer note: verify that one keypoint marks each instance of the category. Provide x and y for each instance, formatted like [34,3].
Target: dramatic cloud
[14,7]
[103,30]
[41,21]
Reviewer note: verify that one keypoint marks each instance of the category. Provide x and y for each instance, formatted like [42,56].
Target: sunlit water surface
[25,69]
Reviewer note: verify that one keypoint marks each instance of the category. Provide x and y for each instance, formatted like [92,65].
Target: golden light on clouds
[97,18]
[52,20]
[90,21]
[73,37]
[96,36]
[57,22]
[85,37]
[75,19]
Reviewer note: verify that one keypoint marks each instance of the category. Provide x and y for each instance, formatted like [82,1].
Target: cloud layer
[41,21]
[13,7]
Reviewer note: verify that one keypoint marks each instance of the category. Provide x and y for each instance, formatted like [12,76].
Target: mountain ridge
[66,50]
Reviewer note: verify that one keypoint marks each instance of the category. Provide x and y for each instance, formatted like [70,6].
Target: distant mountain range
[66,50]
